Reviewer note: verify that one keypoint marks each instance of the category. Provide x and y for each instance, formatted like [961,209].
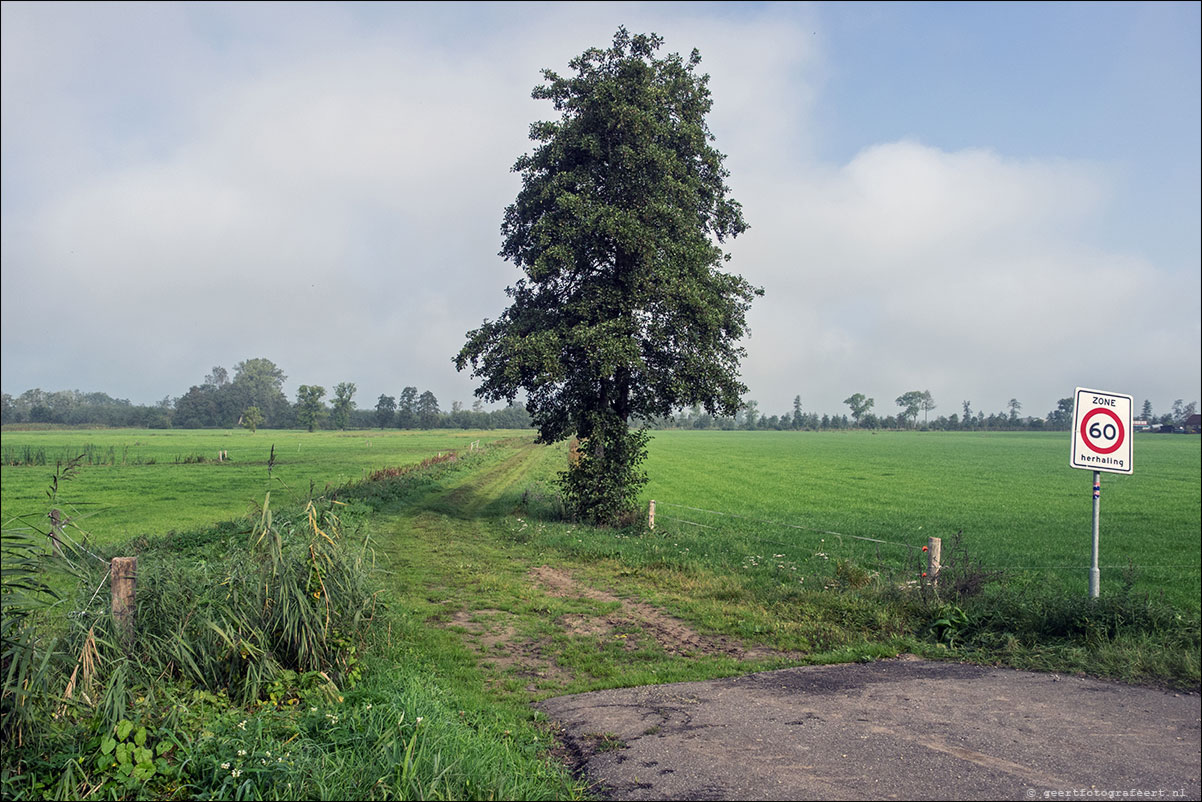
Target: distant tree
[910,403]
[252,419]
[624,313]
[798,419]
[967,420]
[385,411]
[860,404]
[1146,412]
[218,378]
[310,411]
[258,382]
[340,414]
[197,408]
[927,403]
[1015,408]
[1061,418]
[407,408]
[751,414]
[1178,411]
[427,410]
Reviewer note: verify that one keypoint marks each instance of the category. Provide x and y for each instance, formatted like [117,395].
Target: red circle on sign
[1118,423]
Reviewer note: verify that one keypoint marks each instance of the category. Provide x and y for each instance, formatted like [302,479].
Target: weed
[606,741]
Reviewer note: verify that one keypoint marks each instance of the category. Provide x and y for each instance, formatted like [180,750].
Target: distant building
[1141,425]
[1193,424]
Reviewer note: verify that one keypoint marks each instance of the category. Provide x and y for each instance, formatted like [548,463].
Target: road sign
[1102,431]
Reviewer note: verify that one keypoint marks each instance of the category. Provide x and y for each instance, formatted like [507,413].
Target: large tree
[623,312]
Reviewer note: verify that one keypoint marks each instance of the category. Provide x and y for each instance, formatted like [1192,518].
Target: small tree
[860,404]
[341,412]
[427,410]
[310,411]
[910,403]
[751,414]
[927,403]
[407,408]
[623,311]
[252,419]
[385,411]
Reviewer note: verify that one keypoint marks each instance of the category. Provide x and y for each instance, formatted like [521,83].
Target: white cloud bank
[334,203]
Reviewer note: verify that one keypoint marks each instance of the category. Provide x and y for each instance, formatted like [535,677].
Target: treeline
[910,405]
[253,397]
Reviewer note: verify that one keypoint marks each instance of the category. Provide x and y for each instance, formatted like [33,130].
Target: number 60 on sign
[1102,431]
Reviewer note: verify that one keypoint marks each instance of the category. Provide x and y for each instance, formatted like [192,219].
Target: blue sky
[989,201]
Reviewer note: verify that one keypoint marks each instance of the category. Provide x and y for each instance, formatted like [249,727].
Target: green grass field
[144,482]
[488,599]
[1021,507]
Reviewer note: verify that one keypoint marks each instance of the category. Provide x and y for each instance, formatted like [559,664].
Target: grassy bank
[274,659]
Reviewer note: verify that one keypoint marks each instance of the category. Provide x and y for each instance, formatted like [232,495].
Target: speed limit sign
[1102,431]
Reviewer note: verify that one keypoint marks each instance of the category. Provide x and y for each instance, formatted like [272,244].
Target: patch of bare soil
[492,634]
[673,635]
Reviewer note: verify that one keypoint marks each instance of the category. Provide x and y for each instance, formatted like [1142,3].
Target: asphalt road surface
[895,729]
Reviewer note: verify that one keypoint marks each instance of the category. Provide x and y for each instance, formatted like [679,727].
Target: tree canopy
[623,311]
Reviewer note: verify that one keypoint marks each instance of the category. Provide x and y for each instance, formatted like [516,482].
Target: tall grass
[255,673]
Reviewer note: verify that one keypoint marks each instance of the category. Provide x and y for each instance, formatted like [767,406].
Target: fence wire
[1190,568]
[780,524]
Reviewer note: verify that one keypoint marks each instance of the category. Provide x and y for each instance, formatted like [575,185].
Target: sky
[985,201]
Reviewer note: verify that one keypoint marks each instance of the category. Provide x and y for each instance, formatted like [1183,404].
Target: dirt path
[672,634]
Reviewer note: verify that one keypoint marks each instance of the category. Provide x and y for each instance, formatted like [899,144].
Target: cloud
[324,187]
[960,272]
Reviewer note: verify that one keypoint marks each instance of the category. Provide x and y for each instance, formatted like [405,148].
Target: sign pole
[1095,574]
[1101,442]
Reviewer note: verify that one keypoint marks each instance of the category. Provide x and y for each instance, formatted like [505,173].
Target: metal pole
[1095,575]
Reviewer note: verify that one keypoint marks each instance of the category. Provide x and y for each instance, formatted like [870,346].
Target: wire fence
[910,555]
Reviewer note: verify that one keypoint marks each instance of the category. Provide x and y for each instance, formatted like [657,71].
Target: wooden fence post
[125,573]
[934,546]
[651,515]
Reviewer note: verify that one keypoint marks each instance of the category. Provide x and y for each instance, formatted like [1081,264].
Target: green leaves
[624,311]
[128,762]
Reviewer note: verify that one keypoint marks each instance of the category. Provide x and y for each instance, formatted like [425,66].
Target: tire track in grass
[512,611]
[480,495]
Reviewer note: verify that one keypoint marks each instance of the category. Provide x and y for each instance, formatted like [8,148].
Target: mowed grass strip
[149,482]
[1021,508]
